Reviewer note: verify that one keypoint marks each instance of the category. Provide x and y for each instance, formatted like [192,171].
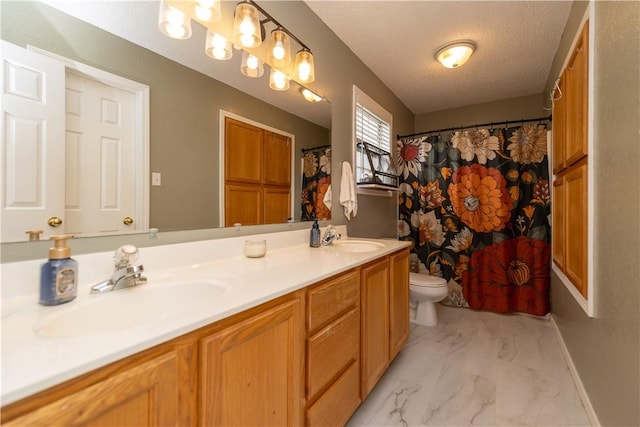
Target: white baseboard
[593,418]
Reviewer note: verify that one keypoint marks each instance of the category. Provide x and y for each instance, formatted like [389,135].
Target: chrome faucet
[125,274]
[330,234]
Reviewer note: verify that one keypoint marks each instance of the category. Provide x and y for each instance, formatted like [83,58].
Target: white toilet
[426,291]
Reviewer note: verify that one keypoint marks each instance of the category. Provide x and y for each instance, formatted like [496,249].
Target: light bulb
[278,80]
[304,70]
[217,46]
[174,23]
[252,62]
[203,13]
[278,50]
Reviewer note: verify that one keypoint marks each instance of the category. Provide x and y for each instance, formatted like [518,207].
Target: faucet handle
[125,256]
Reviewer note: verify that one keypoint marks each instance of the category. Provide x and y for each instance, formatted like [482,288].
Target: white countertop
[39,351]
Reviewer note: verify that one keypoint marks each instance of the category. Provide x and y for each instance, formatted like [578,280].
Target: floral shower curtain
[316,182]
[476,205]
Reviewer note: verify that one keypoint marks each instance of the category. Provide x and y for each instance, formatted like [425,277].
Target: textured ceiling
[516,43]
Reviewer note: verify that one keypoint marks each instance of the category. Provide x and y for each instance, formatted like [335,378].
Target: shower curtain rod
[304,150]
[506,123]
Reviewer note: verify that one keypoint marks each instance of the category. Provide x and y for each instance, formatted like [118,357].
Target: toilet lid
[417,279]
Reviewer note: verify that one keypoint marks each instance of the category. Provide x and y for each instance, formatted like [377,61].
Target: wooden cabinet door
[277,205]
[243,204]
[277,159]
[559,125]
[252,371]
[243,152]
[577,103]
[559,215]
[576,226]
[374,323]
[148,394]
[398,302]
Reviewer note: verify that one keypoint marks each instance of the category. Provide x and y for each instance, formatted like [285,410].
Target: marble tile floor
[476,369]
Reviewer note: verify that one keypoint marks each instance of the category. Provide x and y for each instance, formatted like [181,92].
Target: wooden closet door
[277,159]
[577,104]
[243,152]
[559,215]
[576,226]
[559,125]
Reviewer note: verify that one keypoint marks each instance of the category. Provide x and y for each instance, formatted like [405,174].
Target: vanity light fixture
[217,46]
[310,95]
[280,48]
[207,10]
[174,23]
[247,29]
[251,65]
[278,80]
[455,55]
[304,66]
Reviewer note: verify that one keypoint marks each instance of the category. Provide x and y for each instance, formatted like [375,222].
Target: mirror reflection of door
[69,151]
[257,164]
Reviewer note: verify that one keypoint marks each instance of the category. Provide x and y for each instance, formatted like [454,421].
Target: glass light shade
[246,26]
[207,10]
[309,95]
[278,80]
[174,23]
[251,65]
[455,55]
[280,48]
[217,46]
[304,66]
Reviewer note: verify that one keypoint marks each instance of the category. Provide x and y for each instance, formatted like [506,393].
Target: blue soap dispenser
[314,238]
[59,275]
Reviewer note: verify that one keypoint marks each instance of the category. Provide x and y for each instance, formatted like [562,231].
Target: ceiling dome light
[455,55]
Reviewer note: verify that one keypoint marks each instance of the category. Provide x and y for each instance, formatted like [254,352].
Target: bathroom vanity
[298,337]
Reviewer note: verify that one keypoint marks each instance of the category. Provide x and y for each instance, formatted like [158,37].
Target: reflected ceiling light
[174,23]
[455,55]
[278,80]
[246,26]
[251,65]
[217,46]
[280,48]
[310,96]
[304,66]
[247,34]
[207,10]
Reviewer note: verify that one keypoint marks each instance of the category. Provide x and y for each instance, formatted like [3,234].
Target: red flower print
[510,276]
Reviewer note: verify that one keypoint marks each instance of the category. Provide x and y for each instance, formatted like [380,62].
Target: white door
[32,155]
[100,157]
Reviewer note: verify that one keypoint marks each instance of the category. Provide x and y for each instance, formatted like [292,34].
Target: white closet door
[100,147]
[33,153]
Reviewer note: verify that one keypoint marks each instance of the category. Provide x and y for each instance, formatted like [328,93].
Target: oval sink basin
[354,246]
[128,308]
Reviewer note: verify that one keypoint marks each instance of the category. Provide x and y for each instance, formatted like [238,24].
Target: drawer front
[327,300]
[331,350]
[338,403]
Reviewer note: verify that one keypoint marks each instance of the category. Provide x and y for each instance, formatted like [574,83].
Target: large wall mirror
[187,93]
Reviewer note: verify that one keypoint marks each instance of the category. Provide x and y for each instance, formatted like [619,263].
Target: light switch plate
[156,179]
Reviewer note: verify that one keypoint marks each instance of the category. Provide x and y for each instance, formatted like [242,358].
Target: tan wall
[513,109]
[335,64]
[606,349]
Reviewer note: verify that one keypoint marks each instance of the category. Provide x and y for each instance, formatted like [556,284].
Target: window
[374,166]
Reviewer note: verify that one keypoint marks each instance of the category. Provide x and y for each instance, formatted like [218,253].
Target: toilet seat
[424,280]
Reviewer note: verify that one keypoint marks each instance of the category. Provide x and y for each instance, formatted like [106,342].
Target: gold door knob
[127,220]
[54,221]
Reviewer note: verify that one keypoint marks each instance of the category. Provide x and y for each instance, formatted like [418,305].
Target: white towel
[348,196]
[327,198]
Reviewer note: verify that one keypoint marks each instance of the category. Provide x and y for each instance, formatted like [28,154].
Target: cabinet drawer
[338,403]
[327,300]
[331,350]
